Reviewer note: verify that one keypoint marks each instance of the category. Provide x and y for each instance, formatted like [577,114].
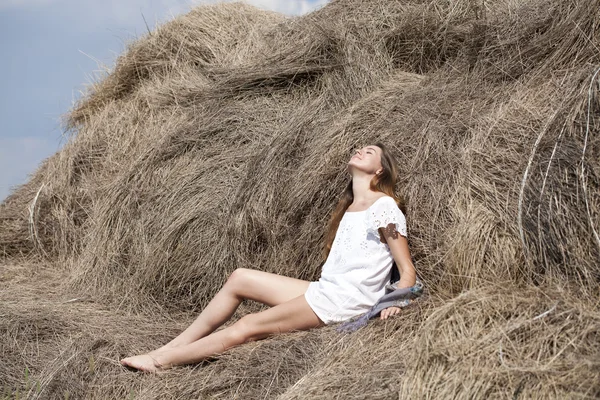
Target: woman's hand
[390,311]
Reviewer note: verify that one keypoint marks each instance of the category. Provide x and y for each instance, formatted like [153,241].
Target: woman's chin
[354,169]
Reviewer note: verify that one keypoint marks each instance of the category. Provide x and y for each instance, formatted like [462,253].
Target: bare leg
[292,315]
[264,287]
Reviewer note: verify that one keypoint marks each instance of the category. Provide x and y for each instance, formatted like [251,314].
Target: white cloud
[129,13]
[289,7]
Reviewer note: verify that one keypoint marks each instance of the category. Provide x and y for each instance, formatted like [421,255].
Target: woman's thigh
[293,315]
[264,287]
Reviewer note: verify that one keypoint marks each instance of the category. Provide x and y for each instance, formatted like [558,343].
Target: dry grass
[219,140]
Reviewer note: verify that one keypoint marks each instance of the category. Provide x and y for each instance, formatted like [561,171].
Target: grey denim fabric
[393,298]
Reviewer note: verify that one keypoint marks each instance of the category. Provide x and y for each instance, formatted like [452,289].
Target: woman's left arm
[398,245]
[399,248]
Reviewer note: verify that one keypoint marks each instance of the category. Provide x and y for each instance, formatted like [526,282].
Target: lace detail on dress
[383,214]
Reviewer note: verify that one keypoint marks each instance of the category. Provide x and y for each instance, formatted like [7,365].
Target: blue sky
[52,48]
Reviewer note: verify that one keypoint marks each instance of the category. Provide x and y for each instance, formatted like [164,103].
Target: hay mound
[219,141]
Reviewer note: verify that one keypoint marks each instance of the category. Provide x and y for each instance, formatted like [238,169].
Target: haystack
[219,141]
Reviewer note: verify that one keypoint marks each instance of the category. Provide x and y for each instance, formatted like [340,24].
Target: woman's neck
[361,189]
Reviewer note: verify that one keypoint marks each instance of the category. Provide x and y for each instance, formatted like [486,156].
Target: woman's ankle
[161,349]
[161,362]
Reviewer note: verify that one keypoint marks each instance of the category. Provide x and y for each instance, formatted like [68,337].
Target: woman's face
[367,160]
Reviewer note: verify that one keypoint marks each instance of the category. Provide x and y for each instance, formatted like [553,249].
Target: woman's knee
[238,277]
[247,329]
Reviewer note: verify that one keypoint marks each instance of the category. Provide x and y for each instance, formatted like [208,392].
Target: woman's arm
[399,249]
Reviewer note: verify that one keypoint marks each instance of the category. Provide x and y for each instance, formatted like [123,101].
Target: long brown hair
[383,182]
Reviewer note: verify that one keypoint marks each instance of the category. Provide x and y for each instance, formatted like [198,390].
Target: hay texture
[219,140]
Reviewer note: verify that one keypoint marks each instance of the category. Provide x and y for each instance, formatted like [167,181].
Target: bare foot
[144,362]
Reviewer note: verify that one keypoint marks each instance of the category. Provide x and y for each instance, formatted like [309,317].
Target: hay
[489,342]
[485,343]
[218,141]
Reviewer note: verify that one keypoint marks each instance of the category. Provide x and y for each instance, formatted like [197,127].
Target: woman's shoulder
[385,204]
[385,200]
[382,213]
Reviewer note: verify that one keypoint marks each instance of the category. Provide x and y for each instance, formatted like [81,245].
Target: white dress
[359,264]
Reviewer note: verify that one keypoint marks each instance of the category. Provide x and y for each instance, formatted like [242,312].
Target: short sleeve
[383,213]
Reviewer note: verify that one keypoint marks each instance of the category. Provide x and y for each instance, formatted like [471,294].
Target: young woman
[367,233]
